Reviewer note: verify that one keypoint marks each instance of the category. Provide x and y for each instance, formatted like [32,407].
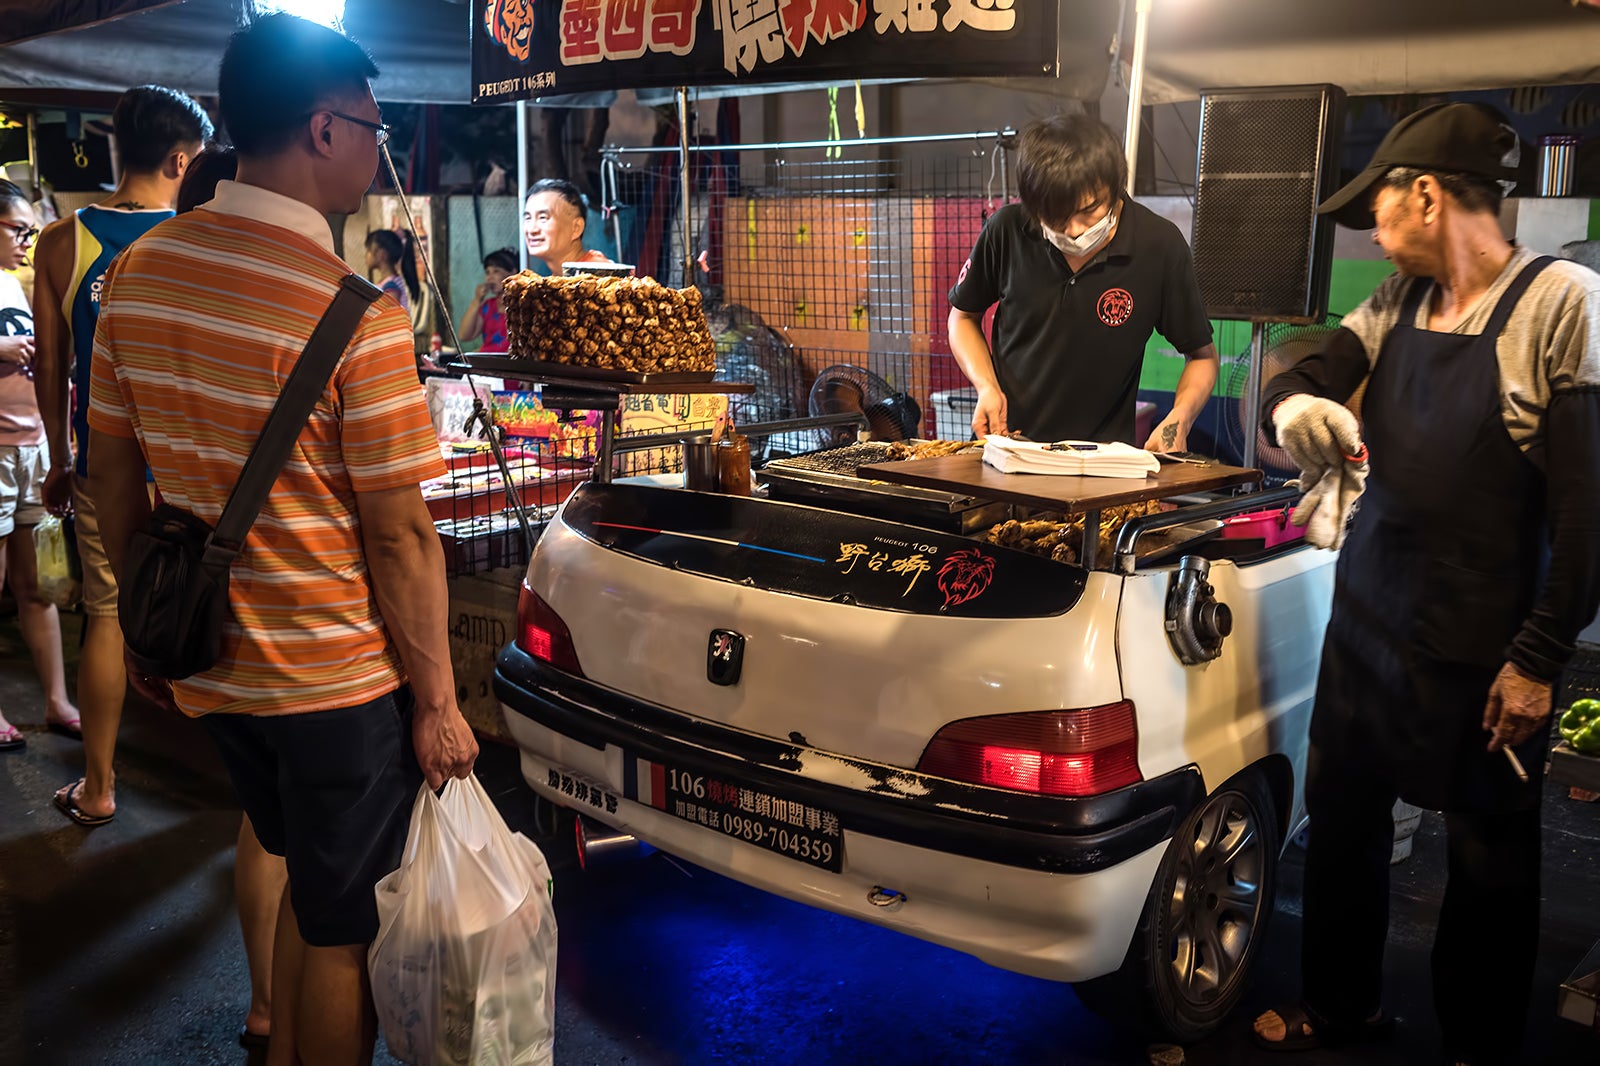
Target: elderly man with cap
[1470,567]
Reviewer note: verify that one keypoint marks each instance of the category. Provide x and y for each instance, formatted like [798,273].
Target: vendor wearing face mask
[1082,275]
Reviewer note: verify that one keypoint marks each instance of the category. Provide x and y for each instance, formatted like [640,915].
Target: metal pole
[1250,402]
[778,146]
[480,411]
[683,181]
[1141,24]
[33,157]
[522,178]
[609,194]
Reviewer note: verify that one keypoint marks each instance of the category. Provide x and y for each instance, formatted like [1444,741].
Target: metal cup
[700,469]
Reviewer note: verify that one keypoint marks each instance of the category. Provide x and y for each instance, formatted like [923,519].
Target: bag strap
[289,414]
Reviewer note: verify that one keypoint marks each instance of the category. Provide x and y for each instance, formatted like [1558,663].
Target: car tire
[1204,921]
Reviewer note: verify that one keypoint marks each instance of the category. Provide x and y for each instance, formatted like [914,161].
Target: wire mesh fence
[820,268]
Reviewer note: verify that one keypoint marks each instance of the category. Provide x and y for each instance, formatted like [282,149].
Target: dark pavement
[119,945]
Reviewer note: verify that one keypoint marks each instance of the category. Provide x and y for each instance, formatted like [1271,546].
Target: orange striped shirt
[200,324]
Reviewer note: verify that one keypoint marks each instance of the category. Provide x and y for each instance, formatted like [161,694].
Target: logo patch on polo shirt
[1115,306]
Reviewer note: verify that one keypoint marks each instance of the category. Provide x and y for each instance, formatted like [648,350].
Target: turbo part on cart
[1197,622]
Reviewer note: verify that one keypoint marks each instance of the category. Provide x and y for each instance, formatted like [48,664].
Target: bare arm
[406,563]
[972,356]
[52,359]
[1199,377]
[117,486]
[472,319]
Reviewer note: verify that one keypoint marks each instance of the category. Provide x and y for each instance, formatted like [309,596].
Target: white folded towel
[1073,457]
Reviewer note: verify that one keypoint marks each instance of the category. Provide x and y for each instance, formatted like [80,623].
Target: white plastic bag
[464,965]
[56,583]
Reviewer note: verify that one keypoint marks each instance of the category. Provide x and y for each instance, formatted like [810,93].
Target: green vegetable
[1580,726]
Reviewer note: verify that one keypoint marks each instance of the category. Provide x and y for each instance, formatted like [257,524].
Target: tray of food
[502,365]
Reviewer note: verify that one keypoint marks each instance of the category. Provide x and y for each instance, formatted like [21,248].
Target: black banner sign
[523,49]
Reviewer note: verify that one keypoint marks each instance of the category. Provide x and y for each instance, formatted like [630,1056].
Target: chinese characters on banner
[596,30]
[910,566]
[531,48]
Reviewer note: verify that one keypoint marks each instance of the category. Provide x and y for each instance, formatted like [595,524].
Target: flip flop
[69,807]
[73,729]
[11,740]
[1301,1033]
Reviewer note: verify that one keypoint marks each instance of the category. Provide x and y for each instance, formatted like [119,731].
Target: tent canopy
[1366,46]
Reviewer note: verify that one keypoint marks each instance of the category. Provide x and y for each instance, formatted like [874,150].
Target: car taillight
[542,634]
[1080,752]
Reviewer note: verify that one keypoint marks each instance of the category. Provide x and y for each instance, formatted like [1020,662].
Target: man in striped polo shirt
[333,699]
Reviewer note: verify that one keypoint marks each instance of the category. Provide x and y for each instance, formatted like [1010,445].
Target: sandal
[72,729]
[1302,1034]
[12,740]
[66,802]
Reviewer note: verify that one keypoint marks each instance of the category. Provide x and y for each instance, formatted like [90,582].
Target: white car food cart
[846,695]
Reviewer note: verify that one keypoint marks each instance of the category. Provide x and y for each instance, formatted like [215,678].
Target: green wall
[1351,282]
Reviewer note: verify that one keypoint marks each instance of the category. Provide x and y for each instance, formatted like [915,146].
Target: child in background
[393,258]
[484,316]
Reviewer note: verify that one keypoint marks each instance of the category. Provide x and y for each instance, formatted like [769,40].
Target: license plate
[789,828]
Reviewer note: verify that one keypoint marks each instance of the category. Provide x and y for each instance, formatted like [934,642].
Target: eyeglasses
[382,129]
[20,233]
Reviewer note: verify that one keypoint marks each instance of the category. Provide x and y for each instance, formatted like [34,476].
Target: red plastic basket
[1271,526]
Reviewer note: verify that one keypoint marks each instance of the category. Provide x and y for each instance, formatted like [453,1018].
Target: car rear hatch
[828,630]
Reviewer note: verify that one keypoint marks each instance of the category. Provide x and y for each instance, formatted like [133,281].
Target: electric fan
[845,389]
[1286,345]
[750,351]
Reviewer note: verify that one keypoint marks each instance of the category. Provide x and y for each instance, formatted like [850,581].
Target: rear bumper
[1057,835]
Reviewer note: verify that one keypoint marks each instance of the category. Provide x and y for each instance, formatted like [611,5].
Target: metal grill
[845,461]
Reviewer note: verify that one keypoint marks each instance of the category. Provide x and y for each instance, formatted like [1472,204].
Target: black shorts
[330,791]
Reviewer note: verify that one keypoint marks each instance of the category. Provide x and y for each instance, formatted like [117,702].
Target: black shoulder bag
[173,599]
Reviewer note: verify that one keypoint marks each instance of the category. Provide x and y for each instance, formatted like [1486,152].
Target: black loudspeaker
[1268,156]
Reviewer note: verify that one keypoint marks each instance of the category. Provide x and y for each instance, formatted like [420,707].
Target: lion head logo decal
[510,23]
[965,576]
[1115,306]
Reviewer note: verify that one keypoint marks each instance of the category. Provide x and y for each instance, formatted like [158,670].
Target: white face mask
[1086,242]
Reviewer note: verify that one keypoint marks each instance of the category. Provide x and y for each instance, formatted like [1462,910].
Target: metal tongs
[1192,458]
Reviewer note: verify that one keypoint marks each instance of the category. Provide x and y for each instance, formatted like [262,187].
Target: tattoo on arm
[1169,434]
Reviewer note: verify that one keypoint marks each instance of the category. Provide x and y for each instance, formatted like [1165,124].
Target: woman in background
[259,877]
[395,261]
[484,314]
[24,458]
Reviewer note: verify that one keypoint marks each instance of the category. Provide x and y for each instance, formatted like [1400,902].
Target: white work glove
[1324,440]
[1324,511]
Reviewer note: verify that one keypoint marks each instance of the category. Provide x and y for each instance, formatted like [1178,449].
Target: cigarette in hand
[1516,764]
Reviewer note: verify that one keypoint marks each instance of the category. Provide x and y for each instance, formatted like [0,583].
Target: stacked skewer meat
[1059,537]
[628,324]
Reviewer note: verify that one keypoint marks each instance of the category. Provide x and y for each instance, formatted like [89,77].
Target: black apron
[1439,572]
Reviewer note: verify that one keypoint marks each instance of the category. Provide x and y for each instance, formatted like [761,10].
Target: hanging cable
[482,413]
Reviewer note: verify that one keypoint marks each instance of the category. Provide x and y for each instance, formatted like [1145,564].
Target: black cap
[1456,138]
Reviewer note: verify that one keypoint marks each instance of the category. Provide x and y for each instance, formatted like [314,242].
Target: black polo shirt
[1067,347]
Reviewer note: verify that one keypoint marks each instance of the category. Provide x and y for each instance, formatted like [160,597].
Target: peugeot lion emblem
[724,657]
